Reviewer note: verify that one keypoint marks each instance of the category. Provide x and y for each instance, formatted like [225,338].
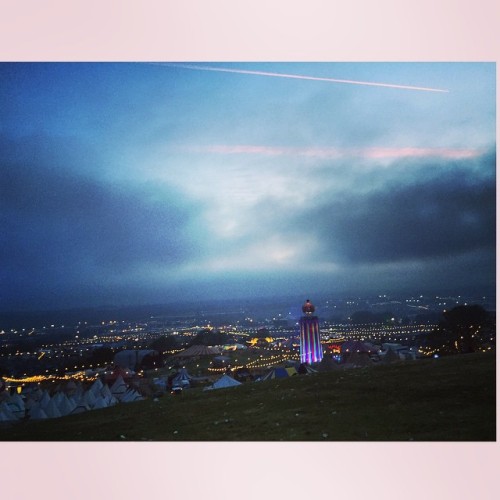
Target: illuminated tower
[310,345]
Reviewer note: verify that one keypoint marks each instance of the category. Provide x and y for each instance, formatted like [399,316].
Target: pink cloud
[326,153]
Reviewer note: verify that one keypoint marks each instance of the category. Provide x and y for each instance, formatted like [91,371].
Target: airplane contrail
[297,77]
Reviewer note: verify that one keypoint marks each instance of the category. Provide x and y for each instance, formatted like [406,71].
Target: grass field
[447,399]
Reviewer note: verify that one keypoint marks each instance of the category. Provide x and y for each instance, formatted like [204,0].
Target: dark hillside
[448,399]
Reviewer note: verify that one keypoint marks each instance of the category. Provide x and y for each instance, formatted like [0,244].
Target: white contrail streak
[297,77]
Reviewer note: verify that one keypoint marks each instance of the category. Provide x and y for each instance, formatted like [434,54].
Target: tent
[7,412]
[80,408]
[354,346]
[13,405]
[224,382]
[390,356]
[100,402]
[132,358]
[51,409]
[280,372]
[108,396]
[181,379]
[88,398]
[6,417]
[71,387]
[44,400]
[358,359]
[221,361]
[305,368]
[130,396]
[96,387]
[118,373]
[355,353]
[58,397]
[197,350]
[66,406]
[119,387]
[37,413]
[328,364]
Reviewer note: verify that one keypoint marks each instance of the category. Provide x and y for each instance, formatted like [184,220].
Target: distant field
[447,399]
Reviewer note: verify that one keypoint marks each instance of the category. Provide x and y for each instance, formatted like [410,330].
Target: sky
[136,183]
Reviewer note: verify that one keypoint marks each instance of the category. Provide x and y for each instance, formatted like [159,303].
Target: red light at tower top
[310,343]
[308,308]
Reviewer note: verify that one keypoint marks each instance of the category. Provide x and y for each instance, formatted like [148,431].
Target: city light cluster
[34,379]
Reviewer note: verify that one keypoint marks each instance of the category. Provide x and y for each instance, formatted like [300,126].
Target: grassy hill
[447,399]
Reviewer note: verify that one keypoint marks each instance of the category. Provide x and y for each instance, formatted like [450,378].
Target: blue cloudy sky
[143,183]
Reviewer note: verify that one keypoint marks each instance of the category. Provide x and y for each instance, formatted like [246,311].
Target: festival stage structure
[310,345]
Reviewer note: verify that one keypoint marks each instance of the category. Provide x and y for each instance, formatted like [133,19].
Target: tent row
[276,372]
[39,404]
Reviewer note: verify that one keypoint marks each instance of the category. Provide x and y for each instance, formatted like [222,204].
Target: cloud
[134,180]
[262,213]
[375,153]
[63,230]
[450,212]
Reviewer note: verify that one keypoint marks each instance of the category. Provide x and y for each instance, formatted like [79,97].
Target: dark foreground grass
[449,399]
